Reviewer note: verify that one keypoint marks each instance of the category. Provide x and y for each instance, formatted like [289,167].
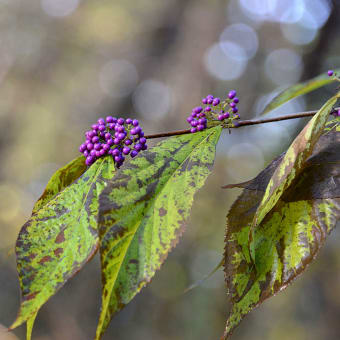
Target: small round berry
[109,141]
[216,101]
[330,73]
[220,117]
[210,96]
[202,121]
[126,150]
[101,121]
[236,100]
[200,127]
[102,152]
[207,109]
[107,135]
[121,135]
[133,131]
[115,152]
[138,147]
[95,139]
[97,153]
[135,122]
[128,121]
[116,141]
[235,110]
[209,100]
[142,140]
[194,123]
[189,119]
[82,147]
[101,128]
[93,152]
[226,115]
[141,134]
[232,94]
[112,126]
[198,109]
[118,159]
[121,121]
[144,147]
[109,119]
[232,105]
[97,146]
[133,153]
[193,130]
[89,160]
[86,153]
[106,147]
[95,126]
[128,142]
[89,146]
[204,101]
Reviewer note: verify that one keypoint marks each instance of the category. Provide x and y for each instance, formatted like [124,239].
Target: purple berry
[116,141]
[135,122]
[93,152]
[209,100]
[86,153]
[133,153]
[144,147]
[204,101]
[101,128]
[133,132]
[210,96]
[106,147]
[232,94]
[220,117]
[115,152]
[330,73]
[235,109]
[193,130]
[200,127]
[109,141]
[198,109]
[121,135]
[142,140]
[126,150]
[89,146]
[121,121]
[232,105]
[226,115]
[207,109]
[216,101]
[95,139]
[107,135]
[189,119]
[97,153]
[97,146]
[109,119]
[236,100]
[112,126]
[138,147]
[102,152]
[118,159]
[89,160]
[95,126]
[128,142]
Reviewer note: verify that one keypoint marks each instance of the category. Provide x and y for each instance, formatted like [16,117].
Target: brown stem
[241,123]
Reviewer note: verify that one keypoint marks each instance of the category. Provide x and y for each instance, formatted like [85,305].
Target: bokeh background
[65,63]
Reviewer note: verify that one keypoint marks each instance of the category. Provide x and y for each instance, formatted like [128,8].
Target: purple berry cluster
[117,137]
[214,110]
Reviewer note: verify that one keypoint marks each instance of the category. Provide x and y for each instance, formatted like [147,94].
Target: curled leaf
[290,235]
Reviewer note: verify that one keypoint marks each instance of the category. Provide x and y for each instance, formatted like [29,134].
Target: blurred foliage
[63,64]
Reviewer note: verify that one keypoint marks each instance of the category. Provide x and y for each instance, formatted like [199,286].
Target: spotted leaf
[291,165]
[58,240]
[298,90]
[143,212]
[290,235]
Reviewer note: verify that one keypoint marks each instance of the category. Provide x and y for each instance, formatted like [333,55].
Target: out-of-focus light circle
[316,14]
[258,9]
[283,66]
[226,60]
[241,35]
[118,78]
[298,34]
[288,11]
[152,99]
[59,8]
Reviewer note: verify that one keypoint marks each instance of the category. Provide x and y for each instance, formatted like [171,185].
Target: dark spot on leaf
[29,296]
[58,251]
[60,237]
[45,259]
[162,212]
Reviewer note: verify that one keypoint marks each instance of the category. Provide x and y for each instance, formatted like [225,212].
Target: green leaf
[29,326]
[143,212]
[59,239]
[291,165]
[291,234]
[298,90]
[60,180]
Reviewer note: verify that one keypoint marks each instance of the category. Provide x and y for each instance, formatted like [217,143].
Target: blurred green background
[65,63]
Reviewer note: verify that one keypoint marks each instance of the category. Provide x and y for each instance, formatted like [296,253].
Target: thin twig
[241,123]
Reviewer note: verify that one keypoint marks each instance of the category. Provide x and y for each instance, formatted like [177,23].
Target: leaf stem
[241,123]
